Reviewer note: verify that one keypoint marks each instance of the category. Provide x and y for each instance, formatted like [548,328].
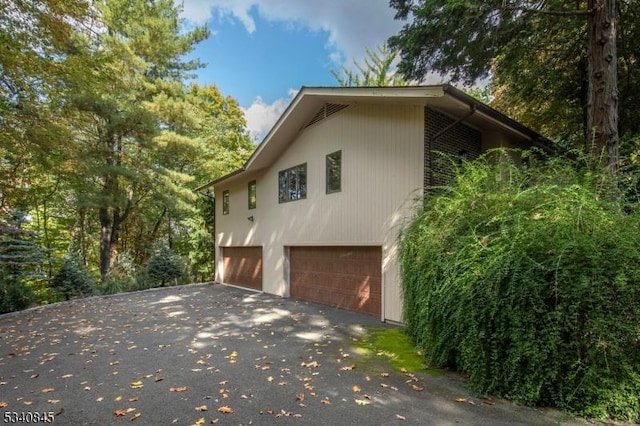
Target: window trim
[329,190]
[288,176]
[225,202]
[252,202]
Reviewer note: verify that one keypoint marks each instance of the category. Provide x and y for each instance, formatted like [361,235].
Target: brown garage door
[242,266]
[342,277]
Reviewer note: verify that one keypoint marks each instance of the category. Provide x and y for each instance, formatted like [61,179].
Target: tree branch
[547,12]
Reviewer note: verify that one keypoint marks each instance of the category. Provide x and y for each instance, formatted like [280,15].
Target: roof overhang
[309,100]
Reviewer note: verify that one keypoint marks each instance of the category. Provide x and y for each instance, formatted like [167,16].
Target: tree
[378,70]
[102,138]
[164,265]
[137,60]
[465,39]
[20,261]
[35,37]
[72,279]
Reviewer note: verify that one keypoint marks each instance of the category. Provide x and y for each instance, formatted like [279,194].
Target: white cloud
[261,116]
[352,25]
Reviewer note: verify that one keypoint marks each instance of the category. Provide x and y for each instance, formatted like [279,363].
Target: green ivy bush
[528,281]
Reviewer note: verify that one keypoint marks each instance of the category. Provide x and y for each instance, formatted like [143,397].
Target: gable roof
[306,105]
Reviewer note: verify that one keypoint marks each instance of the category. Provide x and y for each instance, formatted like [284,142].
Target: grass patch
[393,346]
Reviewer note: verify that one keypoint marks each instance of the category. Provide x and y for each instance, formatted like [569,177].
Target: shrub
[121,275]
[528,281]
[164,265]
[72,279]
[20,263]
[14,296]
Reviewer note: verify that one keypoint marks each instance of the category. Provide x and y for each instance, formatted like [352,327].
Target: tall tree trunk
[105,242]
[602,108]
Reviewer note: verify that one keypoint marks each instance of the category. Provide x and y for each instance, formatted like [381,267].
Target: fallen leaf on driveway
[225,410]
[461,399]
[3,404]
[179,389]
[399,417]
[356,388]
[137,385]
[202,408]
[348,367]
[199,422]
[135,416]
[47,390]
[417,388]
[362,401]
[120,413]
[488,401]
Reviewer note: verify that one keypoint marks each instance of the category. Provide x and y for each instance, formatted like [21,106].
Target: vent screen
[325,111]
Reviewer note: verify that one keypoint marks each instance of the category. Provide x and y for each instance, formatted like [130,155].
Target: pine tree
[20,262]
[164,265]
[72,279]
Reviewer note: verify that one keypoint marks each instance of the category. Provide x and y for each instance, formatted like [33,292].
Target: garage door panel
[243,266]
[342,277]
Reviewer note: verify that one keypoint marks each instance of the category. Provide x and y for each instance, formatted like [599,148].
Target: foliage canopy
[103,135]
[555,65]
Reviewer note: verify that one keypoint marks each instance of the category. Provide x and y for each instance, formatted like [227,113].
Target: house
[316,211]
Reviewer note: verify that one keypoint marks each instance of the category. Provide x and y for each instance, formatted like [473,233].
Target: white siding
[382,169]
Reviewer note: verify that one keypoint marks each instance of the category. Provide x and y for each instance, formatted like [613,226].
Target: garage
[342,277]
[242,266]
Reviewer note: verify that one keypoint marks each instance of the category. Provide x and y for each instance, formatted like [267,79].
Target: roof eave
[495,115]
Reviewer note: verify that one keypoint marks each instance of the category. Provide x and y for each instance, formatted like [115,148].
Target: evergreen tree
[20,262]
[164,265]
[139,68]
[72,279]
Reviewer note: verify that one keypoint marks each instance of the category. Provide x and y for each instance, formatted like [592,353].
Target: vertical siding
[382,172]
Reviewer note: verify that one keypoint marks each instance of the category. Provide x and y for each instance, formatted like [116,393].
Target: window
[252,194]
[292,184]
[225,202]
[334,172]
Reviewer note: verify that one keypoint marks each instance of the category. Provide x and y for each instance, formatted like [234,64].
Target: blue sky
[262,51]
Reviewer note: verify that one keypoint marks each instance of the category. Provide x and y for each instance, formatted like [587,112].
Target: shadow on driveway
[204,354]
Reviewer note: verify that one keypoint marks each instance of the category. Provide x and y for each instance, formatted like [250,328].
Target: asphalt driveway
[207,354]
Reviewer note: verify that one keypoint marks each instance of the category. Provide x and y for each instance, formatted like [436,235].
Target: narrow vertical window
[334,172]
[225,202]
[252,194]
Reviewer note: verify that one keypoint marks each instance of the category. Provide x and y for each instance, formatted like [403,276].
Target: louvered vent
[459,142]
[325,111]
